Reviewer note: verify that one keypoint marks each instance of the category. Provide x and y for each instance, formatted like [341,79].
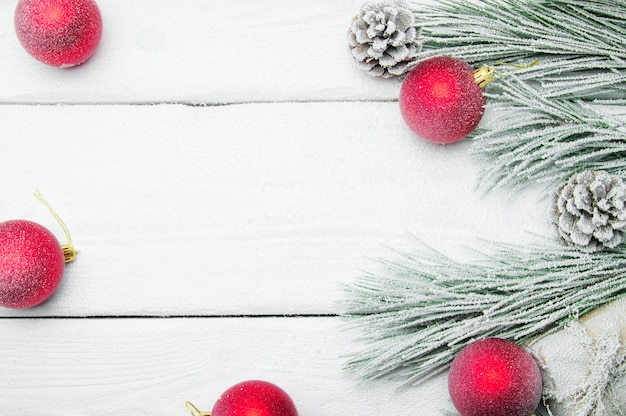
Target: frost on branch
[422,307]
[384,39]
[589,211]
[580,44]
[584,367]
[538,139]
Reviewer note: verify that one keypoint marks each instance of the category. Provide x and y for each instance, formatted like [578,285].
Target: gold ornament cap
[484,75]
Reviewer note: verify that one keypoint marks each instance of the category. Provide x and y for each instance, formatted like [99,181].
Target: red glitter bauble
[494,377]
[31,264]
[441,101]
[61,33]
[254,398]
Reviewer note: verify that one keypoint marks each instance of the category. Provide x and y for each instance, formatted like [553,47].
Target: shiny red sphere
[494,377]
[31,264]
[254,398]
[440,100]
[60,33]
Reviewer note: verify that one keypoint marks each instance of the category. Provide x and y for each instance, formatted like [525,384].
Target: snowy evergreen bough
[580,43]
[532,138]
[600,391]
[560,68]
[544,128]
[424,307]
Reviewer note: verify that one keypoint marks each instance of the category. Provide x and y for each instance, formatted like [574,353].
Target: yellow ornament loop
[194,410]
[485,74]
[69,254]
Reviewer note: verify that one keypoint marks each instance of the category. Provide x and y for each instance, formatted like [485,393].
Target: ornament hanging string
[69,253]
[194,410]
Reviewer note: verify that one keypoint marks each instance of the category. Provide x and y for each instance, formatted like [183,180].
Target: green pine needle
[580,43]
[533,138]
[543,130]
[424,307]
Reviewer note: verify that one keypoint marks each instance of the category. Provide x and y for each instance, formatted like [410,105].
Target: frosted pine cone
[589,211]
[384,39]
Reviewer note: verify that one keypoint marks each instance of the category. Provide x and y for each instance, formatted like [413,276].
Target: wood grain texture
[201,52]
[147,367]
[241,209]
[212,159]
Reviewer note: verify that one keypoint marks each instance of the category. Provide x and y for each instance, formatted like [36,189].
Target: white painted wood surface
[241,209]
[152,366]
[201,52]
[186,213]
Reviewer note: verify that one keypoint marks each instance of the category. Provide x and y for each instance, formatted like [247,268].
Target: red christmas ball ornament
[31,264]
[251,398]
[442,99]
[60,33]
[32,261]
[494,377]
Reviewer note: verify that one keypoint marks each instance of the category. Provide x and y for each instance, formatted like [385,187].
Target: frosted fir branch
[613,391]
[534,138]
[599,389]
[424,307]
[606,367]
[580,43]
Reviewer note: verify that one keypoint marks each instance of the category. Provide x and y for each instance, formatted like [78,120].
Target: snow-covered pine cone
[589,211]
[384,38]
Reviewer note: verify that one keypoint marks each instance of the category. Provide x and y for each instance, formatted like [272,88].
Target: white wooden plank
[152,366]
[243,209]
[203,52]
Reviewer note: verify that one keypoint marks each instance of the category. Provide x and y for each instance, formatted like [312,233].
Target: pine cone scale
[384,39]
[589,210]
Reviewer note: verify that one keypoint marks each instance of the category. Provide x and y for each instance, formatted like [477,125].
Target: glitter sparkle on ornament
[31,264]
[494,377]
[441,101]
[250,398]
[254,398]
[61,33]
